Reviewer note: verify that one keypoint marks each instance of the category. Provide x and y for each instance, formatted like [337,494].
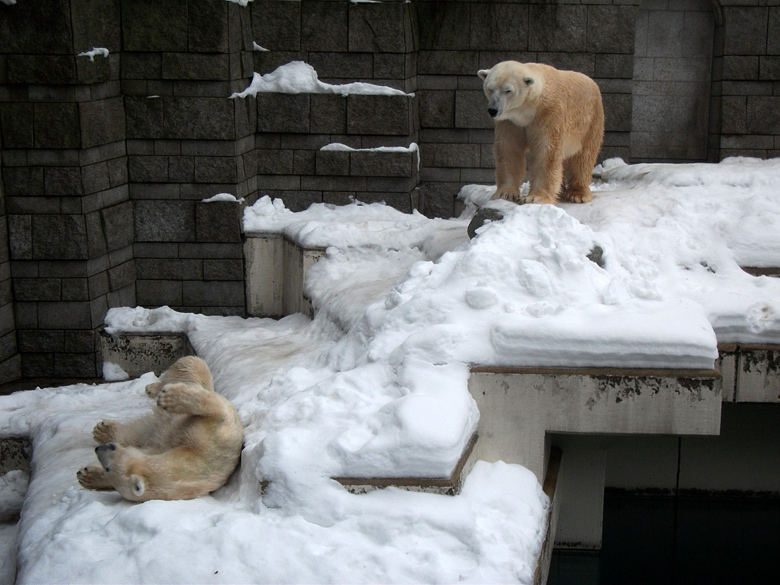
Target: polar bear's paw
[105,431]
[540,198]
[508,195]
[577,195]
[176,398]
[92,477]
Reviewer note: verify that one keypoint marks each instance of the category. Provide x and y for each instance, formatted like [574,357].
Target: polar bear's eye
[507,91]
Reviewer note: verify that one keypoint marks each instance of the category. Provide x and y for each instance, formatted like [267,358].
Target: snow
[94,53]
[222,197]
[300,77]
[376,383]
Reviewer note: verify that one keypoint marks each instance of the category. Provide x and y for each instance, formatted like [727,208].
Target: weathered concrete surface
[275,271]
[751,373]
[518,406]
[15,453]
[137,354]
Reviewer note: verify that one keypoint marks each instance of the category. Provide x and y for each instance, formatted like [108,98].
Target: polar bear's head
[512,88]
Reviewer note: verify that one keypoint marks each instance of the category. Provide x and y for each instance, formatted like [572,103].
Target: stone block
[196,66]
[275,162]
[23,181]
[773,36]
[207,27]
[198,118]
[62,181]
[56,125]
[394,66]
[740,26]
[37,289]
[277,25]
[64,315]
[377,114]
[154,293]
[618,112]
[342,66]
[148,169]
[20,237]
[97,24]
[51,22]
[324,16]
[471,110]
[734,114]
[382,164]
[211,250]
[181,169]
[122,275]
[229,269]
[328,114]
[443,26]
[304,162]
[437,109]
[118,222]
[279,112]
[380,28]
[164,221]
[219,221]
[141,65]
[95,178]
[102,121]
[16,120]
[212,293]
[39,341]
[216,169]
[41,69]
[389,186]
[450,155]
[149,25]
[59,237]
[35,365]
[556,27]
[763,114]
[614,66]
[332,162]
[96,240]
[450,62]
[499,26]
[75,289]
[75,365]
[769,68]
[611,29]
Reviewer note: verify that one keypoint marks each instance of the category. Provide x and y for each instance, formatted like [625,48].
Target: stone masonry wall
[105,162]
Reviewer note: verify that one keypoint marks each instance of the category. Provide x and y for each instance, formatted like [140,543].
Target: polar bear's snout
[102,452]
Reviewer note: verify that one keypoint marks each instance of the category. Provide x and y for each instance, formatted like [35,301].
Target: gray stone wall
[105,162]
[186,141]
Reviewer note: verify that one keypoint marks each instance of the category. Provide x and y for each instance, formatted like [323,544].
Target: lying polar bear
[187,447]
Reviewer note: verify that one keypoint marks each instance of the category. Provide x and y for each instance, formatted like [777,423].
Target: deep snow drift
[377,383]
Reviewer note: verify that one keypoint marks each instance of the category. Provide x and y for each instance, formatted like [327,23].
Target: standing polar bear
[556,116]
[186,448]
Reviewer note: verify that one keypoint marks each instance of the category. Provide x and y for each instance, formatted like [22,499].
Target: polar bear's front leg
[546,172]
[183,398]
[509,148]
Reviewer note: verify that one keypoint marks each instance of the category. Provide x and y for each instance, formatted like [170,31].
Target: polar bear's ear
[138,485]
[528,80]
[483,73]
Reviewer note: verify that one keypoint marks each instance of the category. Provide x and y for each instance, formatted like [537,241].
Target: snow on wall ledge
[299,77]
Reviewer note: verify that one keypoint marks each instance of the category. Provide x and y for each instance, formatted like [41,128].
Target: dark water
[679,541]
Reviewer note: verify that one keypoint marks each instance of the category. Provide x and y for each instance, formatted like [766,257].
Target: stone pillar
[10,361]
[64,170]
[188,141]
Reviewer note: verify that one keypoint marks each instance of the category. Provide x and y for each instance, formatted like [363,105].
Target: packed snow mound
[299,77]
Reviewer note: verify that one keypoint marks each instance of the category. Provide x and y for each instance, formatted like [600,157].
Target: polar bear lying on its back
[186,448]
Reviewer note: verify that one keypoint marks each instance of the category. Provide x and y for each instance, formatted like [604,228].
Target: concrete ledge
[138,353]
[275,271]
[549,487]
[15,453]
[446,486]
[751,372]
[519,406]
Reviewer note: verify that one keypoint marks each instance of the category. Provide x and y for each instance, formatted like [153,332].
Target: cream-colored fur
[187,447]
[557,118]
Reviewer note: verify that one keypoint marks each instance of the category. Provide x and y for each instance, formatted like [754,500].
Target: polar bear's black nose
[493,112]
